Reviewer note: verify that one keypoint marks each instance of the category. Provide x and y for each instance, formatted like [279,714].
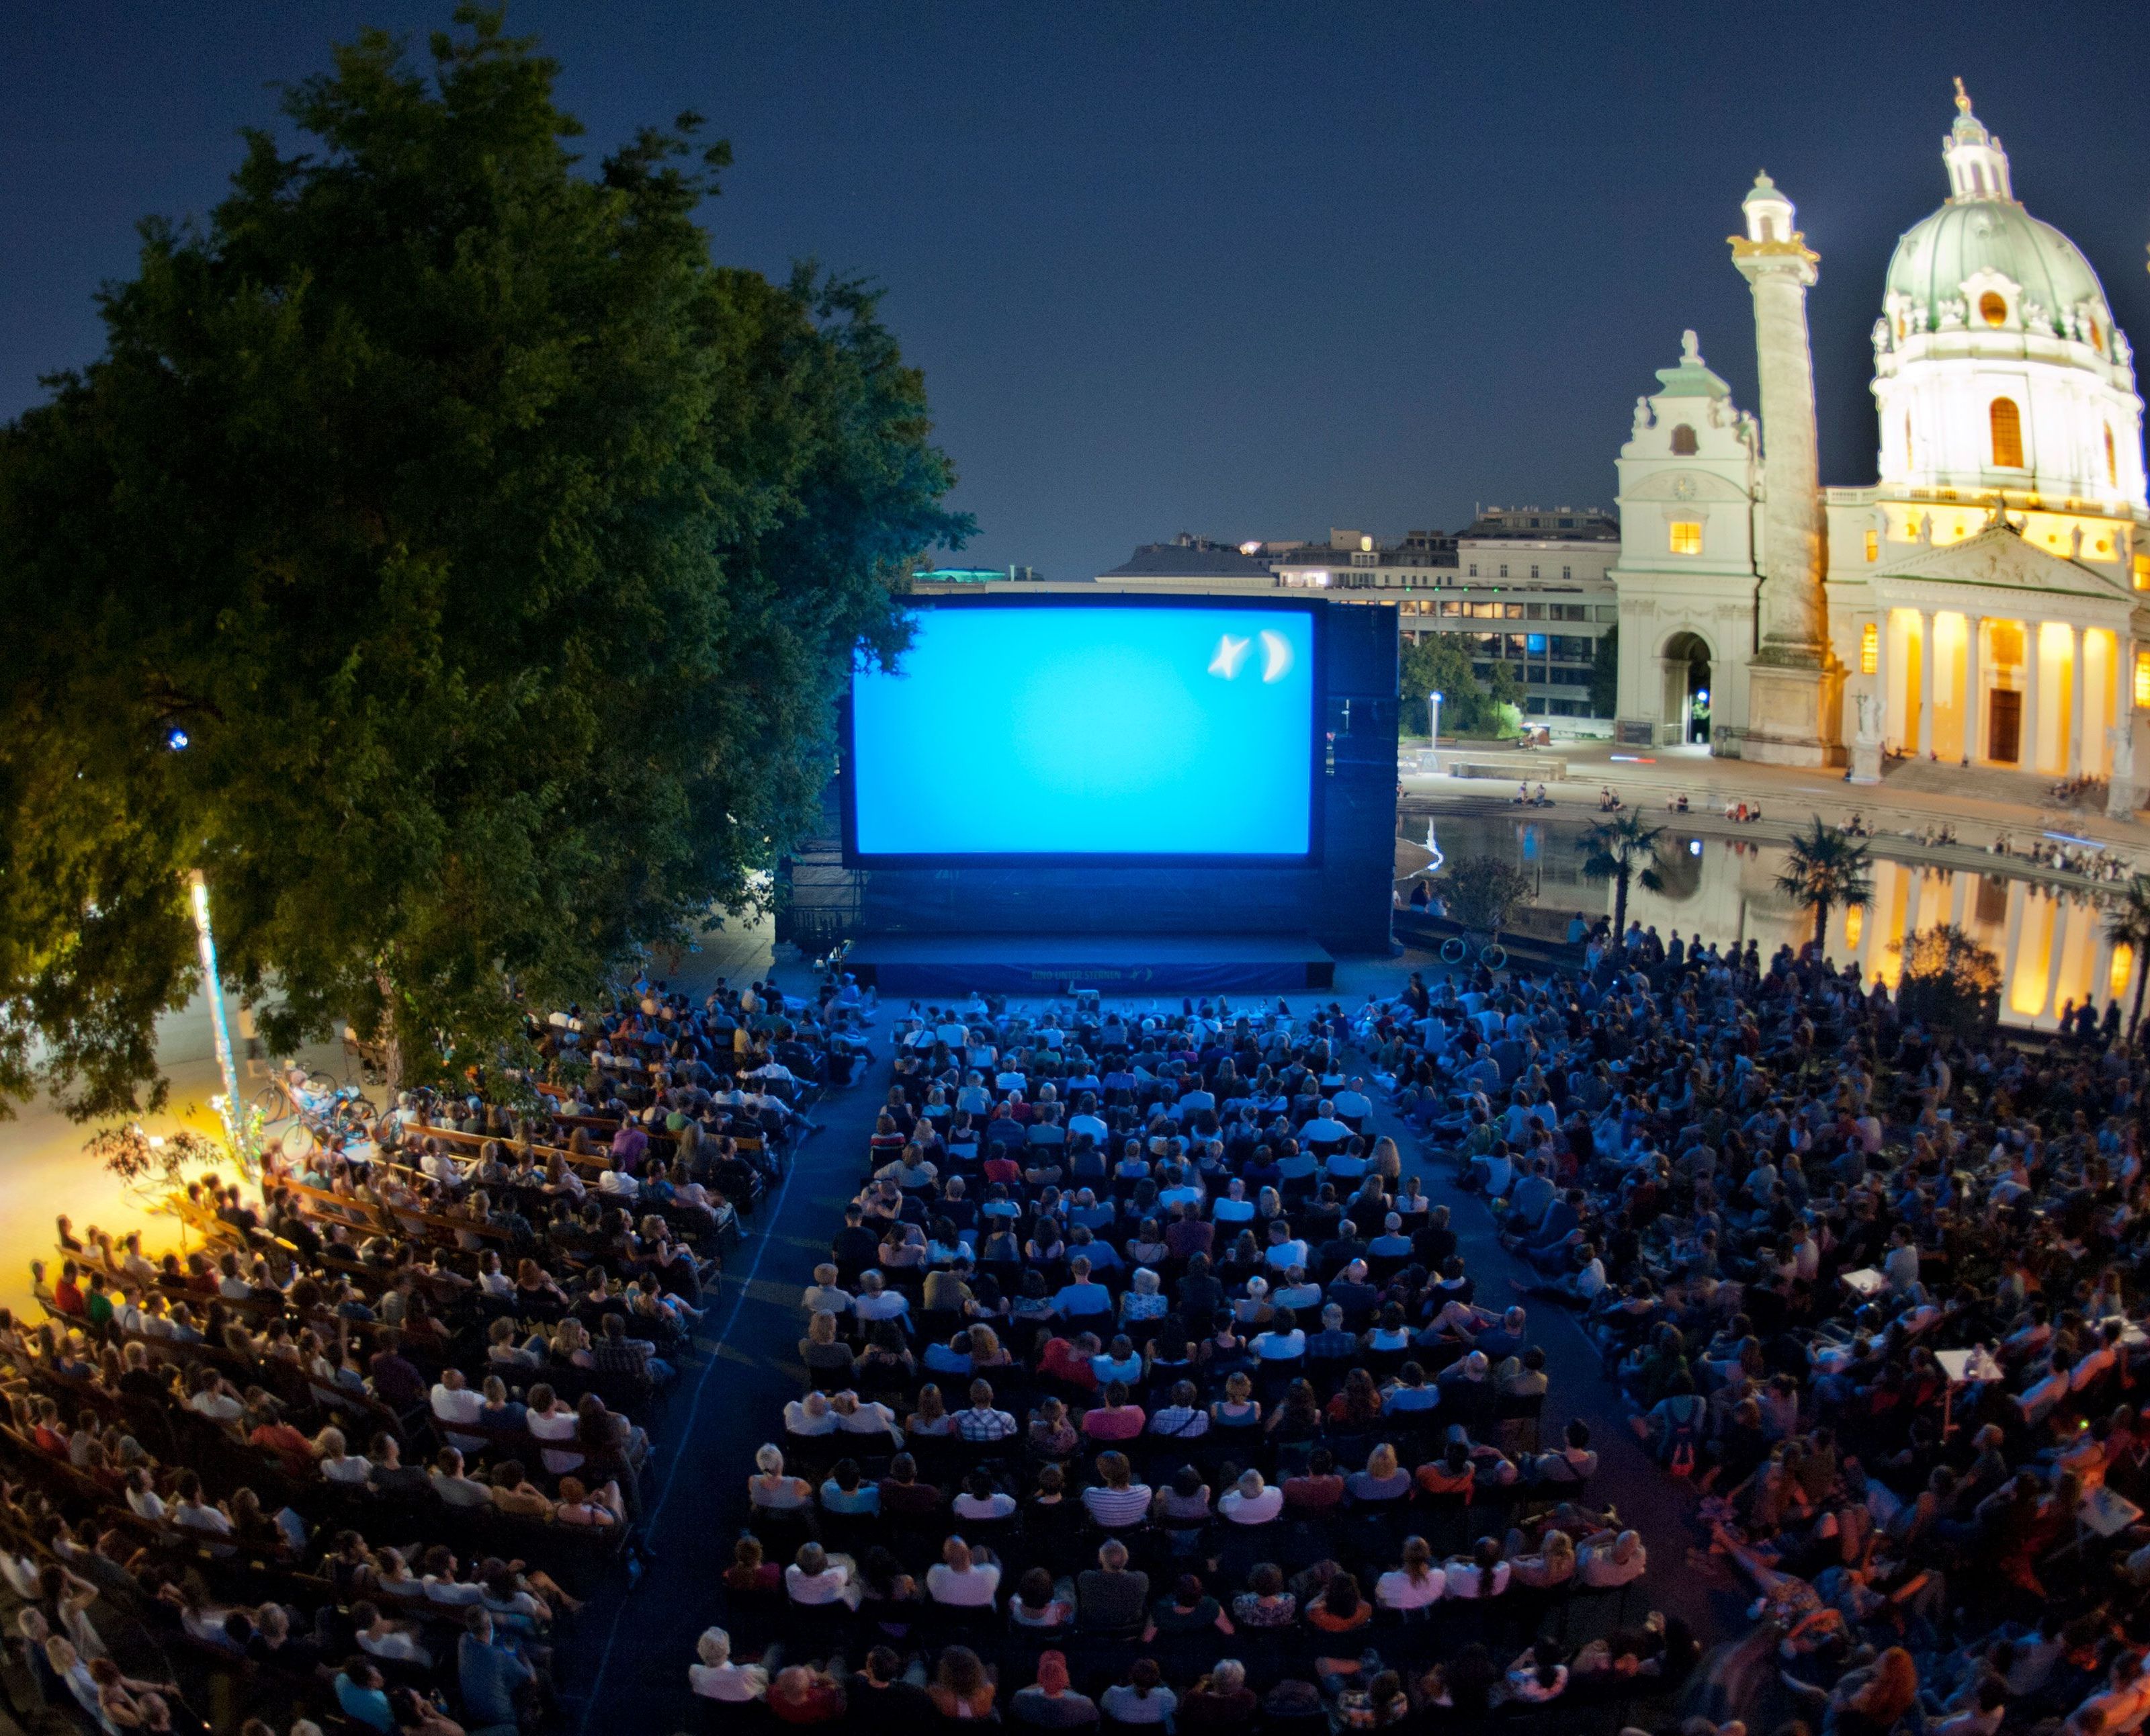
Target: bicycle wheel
[272,1105]
[297,1141]
[1494,957]
[1453,951]
[326,1083]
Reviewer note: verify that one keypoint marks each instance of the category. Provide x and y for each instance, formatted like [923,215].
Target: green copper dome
[1966,236]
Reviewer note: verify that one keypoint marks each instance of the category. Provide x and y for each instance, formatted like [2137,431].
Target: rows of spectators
[1873,1287]
[356,1461]
[1140,1385]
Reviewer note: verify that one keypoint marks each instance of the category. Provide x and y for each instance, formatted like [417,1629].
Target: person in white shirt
[1252,1502]
[959,1579]
[816,1577]
[454,1402]
[715,1676]
[452,1487]
[378,1637]
[1605,1558]
[809,1416]
[865,1416]
[1483,1575]
[876,1301]
[1417,1584]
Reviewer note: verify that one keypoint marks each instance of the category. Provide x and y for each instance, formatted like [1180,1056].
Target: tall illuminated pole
[228,1106]
[1433,727]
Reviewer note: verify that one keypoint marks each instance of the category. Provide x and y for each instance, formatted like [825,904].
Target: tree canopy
[494,554]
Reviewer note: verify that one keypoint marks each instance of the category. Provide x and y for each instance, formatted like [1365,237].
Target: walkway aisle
[1627,1476]
[625,1665]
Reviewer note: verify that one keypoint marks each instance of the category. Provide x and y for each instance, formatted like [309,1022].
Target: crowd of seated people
[1140,1384]
[1873,1288]
[357,1459]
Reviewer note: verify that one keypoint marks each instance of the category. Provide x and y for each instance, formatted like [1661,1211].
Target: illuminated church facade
[1986,603]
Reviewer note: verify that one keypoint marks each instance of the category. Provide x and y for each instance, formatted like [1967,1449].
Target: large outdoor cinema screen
[1053,729]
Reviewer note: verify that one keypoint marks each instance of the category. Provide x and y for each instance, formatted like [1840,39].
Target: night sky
[1243,270]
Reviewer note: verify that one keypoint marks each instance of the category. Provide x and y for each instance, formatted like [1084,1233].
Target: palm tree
[1827,867]
[1622,850]
[2128,923]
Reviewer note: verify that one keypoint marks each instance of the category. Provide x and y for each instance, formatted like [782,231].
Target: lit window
[2096,336]
[2143,679]
[1909,458]
[1992,308]
[1869,648]
[2111,462]
[1687,536]
[1873,545]
[2123,970]
[2142,572]
[2008,425]
[1854,925]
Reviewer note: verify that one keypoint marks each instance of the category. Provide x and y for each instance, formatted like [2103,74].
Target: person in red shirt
[1069,1360]
[66,1294]
[805,1695]
[1115,1419]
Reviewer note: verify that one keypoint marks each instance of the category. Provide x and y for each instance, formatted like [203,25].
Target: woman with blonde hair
[986,1350]
[769,1489]
[1383,1481]
[1553,1564]
[930,1414]
[962,1687]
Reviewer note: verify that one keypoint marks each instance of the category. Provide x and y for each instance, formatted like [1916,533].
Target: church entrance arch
[1686,664]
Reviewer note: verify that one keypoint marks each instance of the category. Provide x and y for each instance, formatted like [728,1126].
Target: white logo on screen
[1232,656]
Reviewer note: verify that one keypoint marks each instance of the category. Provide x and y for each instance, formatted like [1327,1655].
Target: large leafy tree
[496,551]
[2127,923]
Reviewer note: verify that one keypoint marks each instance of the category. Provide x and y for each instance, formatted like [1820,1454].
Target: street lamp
[1433,728]
[229,1105]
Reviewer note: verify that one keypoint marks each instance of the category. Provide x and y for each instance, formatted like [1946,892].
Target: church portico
[1992,652]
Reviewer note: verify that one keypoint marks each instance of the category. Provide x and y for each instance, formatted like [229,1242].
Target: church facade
[1987,603]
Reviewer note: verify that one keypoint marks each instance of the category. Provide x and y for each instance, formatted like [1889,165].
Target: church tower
[1793,685]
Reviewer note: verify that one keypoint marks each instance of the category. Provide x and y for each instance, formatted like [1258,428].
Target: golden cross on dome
[1962,98]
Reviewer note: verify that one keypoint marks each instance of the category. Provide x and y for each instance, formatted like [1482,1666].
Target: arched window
[1910,455]
[1684,445]
[1992,308]
[2112,460]
[2007,424]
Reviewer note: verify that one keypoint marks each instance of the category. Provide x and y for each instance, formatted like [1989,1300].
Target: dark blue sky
[1243,270]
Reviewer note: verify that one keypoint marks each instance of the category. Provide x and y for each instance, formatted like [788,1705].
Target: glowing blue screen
[1089,730]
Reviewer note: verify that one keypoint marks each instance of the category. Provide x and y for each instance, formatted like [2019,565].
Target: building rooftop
[1190,557]
[1540,524]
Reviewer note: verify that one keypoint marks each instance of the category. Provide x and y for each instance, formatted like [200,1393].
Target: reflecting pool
[2051,941]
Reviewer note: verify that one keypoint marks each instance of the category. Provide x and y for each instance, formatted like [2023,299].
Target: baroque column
[1929,675]
[2026,752]
[2075,685]
[1794,688]
[1974,628]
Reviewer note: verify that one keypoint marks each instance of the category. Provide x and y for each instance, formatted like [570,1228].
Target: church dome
[1984,240]
[1936,257]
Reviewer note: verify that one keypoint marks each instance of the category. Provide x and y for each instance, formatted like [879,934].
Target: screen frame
[1315,608]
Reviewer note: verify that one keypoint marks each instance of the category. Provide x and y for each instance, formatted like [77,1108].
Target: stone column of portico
[2120,797]
[1928,675]
[2027,749]
[2075,685]
[1974,627]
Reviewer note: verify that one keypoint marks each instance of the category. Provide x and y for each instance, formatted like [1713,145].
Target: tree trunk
[2142,972]
[1821,927]
[391,1034]
[1620,905]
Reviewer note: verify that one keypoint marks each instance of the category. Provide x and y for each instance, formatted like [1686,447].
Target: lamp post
[228,1106]
[1433,729]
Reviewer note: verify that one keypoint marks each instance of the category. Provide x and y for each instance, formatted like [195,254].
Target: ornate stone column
[2076,704]
[2120,797]
[1928,676]
[1974,628]
[1795,688]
